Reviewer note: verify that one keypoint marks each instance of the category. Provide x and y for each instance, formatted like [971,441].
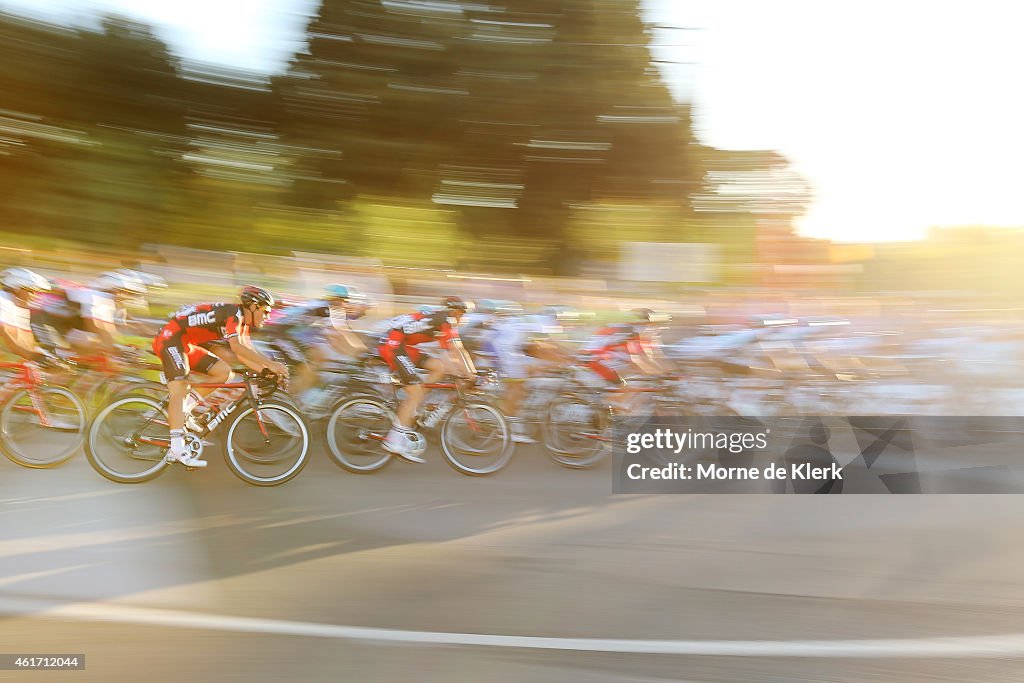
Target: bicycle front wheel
[267,445]
[42,427]
[127,440]
[476,439]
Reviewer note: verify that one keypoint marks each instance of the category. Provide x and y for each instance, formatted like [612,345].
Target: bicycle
[41,425]
[261,433]
[474,435]
[578,430]
[103,378]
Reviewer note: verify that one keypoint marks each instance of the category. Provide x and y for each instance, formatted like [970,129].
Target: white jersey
[506,338]
[13,313]
[93,305]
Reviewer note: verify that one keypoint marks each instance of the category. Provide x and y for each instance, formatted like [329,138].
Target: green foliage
[417,133]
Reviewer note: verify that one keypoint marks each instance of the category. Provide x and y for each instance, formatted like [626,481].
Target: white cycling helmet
[147,279]
[115,282]
[23,278]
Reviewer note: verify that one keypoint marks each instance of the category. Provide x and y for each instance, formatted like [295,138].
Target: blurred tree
[509,113]
[99,116]
[403,121]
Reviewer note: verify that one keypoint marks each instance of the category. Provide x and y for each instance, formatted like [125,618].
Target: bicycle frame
[28,378]
[458,399]
[251,396]
[606,406]
[100,369]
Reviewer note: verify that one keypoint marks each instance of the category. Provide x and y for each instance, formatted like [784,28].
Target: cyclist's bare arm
[347,343]
[645,364]
[660,362]
[138,328]
[460,358]
[252,358]
[107,332]
[20,342]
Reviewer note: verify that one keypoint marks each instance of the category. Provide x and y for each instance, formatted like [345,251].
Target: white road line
[1007,645]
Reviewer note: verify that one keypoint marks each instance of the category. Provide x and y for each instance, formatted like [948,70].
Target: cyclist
[306,334]
[630,345]
[87,317]
[475,327]
[18,288]
[516,341]
[398,349]
[178,347]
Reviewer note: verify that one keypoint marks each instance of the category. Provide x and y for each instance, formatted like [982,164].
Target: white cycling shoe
[520,432]
[189,456]
[406,445]
[187,459]
[520,436]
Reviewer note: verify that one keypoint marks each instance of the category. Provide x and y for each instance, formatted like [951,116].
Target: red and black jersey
[422,328]
[204,323]
[618,340]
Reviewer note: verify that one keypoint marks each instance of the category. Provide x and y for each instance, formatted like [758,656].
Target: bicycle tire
[234,458]
[361,439]
[154,452]
[8,419]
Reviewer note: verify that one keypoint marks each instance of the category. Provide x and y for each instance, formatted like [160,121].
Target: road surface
[199,577]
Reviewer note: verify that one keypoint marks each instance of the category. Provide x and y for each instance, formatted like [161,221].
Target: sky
[902,115]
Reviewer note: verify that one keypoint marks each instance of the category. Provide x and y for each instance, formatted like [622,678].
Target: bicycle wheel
[139,387]
[355,432]
[577,432]
[267,445]
[42,427]
[127,440]
[476,439]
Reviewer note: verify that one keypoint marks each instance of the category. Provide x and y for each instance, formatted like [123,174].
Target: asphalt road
[141,578]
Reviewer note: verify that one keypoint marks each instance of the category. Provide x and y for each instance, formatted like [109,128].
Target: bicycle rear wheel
[42,427]
[127,440]
[355,434]
[577,432]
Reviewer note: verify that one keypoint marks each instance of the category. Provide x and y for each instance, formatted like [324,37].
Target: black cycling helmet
[455,303]
[252,294]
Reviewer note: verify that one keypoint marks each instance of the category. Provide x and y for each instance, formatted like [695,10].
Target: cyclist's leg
[394,352]
[175,369]
[216,369]
[608,370]
[409,359]
[302,376]
[175,364]
[513,366]
[310,358]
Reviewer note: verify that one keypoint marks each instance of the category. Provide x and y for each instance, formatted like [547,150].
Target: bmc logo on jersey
[418,326]
[200,319]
